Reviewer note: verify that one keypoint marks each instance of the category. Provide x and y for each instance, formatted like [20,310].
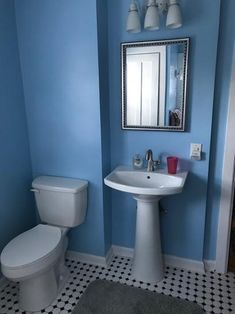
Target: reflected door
[146,77]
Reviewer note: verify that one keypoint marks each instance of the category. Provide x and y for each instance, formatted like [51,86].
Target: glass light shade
[133,20]
[152,21]
[174,16]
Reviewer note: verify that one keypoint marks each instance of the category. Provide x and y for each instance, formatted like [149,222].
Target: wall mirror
[154,79]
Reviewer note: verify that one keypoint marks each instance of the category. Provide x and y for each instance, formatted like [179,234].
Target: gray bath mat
[105,297]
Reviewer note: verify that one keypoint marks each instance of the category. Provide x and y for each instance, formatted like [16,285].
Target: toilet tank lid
[59,184]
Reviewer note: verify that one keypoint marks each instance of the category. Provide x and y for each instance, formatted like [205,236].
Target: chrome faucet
[151,163]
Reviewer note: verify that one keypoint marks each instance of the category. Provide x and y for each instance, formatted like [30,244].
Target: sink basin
[145,183]
[147,189]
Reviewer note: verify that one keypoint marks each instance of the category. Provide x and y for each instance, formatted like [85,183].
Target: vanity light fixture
[152,11]
[152,19]
[133,21]
[174,15]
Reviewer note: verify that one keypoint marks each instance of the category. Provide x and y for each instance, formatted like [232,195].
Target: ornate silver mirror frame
[154,80]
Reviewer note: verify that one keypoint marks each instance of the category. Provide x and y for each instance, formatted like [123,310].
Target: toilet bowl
[32,259]
[35,258]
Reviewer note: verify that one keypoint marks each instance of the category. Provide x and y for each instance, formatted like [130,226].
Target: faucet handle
[156,163]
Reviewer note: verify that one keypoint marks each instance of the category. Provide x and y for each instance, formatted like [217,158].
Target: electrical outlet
[195,151]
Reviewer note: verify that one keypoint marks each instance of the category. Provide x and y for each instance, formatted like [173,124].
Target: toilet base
[38,292]
[63,278]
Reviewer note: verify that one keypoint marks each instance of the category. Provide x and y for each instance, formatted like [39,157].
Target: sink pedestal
[148,262]
[147,188]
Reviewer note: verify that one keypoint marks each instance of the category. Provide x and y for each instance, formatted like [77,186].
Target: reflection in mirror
[154,84]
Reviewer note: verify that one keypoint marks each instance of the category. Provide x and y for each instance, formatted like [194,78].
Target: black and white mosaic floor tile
[214,292]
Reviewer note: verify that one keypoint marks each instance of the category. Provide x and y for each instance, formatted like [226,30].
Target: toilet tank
[61,201]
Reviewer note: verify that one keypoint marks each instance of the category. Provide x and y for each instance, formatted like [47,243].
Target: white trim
[170,260]
[87,258]
[3,281]
[209,265]
[227,186]
[184,263]
[103,261]
[109,256]
[123,251]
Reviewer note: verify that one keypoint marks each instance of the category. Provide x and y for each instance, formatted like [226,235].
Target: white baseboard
[184,263]
[110,254]
[87,258]
[103,261]
[209,265]
[170,260]
[123,251]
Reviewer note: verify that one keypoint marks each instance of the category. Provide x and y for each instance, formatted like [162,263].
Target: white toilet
[35,258]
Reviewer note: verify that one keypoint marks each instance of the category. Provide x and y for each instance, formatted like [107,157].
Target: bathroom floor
[231,262]
[215,292]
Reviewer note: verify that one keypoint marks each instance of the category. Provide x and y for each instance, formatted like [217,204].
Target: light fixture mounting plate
[162,5]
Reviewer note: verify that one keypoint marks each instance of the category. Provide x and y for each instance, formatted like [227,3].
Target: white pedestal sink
[147,188]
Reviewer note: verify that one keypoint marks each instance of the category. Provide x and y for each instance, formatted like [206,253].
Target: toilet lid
[30,246]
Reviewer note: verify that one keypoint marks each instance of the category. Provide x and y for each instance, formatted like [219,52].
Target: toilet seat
[31,251]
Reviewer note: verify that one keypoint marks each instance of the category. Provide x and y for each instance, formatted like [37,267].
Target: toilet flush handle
[34,190]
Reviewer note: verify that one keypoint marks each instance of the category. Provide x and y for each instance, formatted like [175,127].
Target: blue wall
[223,77]
[183,227]
[16,202]
[59,56]
[70,60]
[102,28]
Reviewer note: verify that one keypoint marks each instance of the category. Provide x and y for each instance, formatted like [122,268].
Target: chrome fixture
[152,11]
[151,163]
